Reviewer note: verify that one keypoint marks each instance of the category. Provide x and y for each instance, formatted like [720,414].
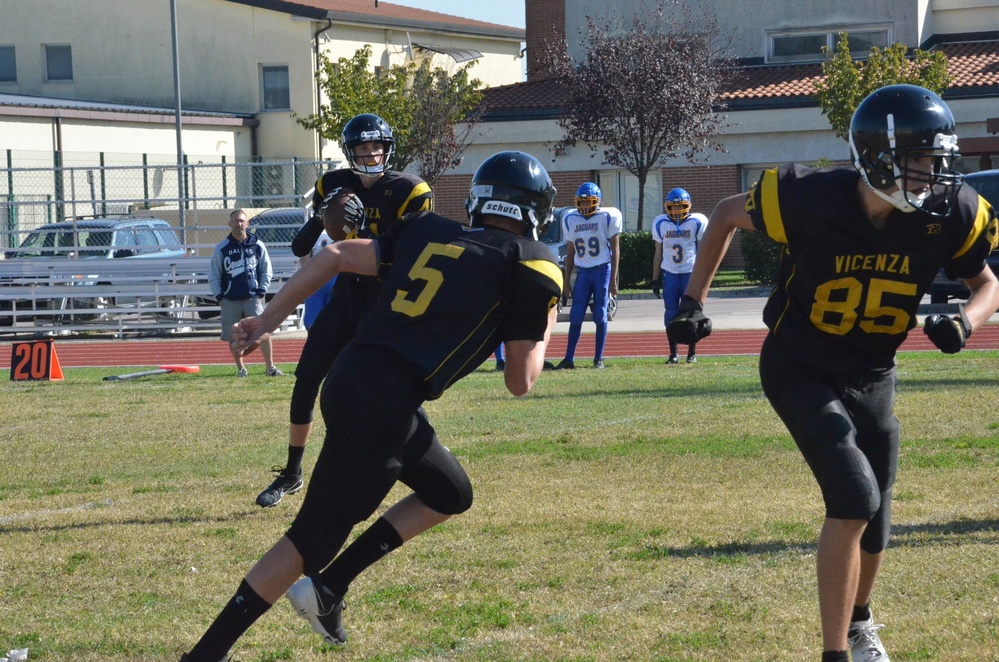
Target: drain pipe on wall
[319,92]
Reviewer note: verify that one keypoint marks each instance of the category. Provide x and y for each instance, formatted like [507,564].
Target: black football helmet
[515,185]
[367,128]
[900,122]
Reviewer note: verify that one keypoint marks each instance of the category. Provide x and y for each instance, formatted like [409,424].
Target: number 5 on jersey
[432,277]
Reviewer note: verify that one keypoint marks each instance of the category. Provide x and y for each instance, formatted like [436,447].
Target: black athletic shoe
[322,608]
[691,358]
[566,364]
[500,366]
[598,363]
[285,483]
[548,365]
[673,358]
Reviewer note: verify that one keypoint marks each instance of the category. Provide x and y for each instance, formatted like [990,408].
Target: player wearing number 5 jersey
[593,250]
[452,292]
[860,248]
[676,234]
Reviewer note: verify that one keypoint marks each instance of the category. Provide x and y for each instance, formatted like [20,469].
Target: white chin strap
[898,198]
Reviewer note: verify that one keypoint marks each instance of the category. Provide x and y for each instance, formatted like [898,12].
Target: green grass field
[655,513]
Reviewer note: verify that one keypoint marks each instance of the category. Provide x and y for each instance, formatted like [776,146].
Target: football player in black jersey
[860,249]
[377,197]
[452,292]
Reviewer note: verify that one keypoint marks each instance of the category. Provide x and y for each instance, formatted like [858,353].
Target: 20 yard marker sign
[34,360]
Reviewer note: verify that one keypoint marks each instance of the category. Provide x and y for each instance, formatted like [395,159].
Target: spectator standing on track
[239,274]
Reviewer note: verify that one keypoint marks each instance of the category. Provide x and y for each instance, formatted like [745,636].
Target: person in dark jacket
[239,275]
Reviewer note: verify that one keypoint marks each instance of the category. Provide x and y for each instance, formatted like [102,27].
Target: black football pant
[330,332]
[381,435]
[845,427]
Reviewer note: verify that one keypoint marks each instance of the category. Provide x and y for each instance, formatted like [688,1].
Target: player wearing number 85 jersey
[860,247]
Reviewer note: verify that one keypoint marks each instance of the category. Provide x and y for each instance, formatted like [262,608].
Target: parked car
[552,238]
[986,182]
[277,227]
[97,238]
[88,240]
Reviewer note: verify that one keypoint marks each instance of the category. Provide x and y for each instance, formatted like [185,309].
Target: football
[335,215]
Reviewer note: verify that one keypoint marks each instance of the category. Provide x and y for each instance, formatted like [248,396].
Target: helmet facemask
[587,199]
[677,205]
[370,165]
[677,210]
[364,129]
[587,204]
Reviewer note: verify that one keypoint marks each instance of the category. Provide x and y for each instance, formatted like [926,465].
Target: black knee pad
[850,489]
[433,472]
[303,400]
[875,538]
[450,498]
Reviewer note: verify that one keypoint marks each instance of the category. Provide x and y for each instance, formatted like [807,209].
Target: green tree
[422,103]
[645,92]
[846,81]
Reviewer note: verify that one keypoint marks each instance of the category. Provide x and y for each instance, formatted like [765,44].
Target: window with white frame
[276,92]
[807,45]
[58,63]
[620,189]
[8,65]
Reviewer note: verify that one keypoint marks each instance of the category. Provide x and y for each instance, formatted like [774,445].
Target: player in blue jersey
[860,248]
[676,235]
[593,249]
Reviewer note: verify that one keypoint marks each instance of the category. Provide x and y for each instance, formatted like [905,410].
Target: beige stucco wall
[122,53]
[122,143]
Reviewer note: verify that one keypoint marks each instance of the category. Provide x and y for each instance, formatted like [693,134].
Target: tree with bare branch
[443,118]
[646,92]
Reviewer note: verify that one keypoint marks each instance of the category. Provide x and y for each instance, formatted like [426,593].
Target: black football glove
[689,325]
[657,290]
[949,334]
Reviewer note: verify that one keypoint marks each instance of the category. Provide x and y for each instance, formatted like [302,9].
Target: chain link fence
[66,226]
[185,196]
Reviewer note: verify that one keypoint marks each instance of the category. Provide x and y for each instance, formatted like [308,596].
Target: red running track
[154,352]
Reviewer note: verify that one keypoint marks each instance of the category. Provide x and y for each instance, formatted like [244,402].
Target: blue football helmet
[677,205]
[588,198]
